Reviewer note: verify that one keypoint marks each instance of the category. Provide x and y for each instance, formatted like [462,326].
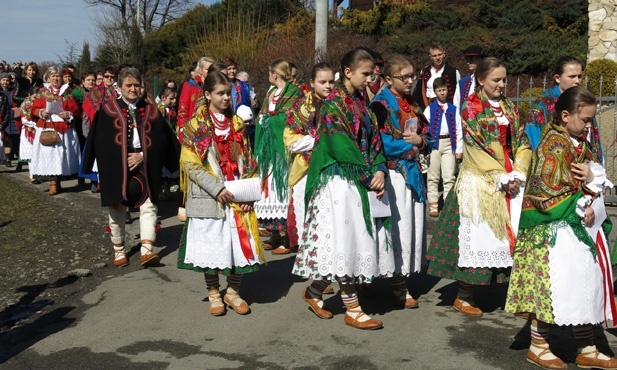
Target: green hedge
[605,68]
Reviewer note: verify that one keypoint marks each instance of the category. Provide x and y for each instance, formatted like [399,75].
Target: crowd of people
[343,170]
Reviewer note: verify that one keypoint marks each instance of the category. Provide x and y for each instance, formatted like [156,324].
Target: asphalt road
[157,318]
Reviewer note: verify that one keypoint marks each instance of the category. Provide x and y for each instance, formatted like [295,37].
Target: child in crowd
[447,149]
[561,272]
[404,133]
[299,137]
[220,235]
[272,209]
[166,106]
[343,242]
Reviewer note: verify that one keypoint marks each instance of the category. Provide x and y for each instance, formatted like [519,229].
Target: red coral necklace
[219,124]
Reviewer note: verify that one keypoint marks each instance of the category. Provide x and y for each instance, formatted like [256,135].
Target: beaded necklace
[275,97]
[219,124]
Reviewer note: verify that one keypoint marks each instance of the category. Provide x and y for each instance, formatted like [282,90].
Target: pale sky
[37,29]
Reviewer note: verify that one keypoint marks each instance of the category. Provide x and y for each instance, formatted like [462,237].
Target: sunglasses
[109,76]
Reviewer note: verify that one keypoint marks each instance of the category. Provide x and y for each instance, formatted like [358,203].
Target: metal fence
[606,117]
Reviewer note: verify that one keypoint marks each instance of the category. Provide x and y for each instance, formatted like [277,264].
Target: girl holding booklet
[343,242]
[562,267]
[221,232]
[404,133]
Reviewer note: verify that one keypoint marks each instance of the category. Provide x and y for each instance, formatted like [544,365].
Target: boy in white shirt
[445,127]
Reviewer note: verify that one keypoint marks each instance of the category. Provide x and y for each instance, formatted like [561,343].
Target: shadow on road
[17,333]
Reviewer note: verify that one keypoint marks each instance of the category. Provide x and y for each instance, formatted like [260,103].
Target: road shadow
[17,333]
[272,282]
[561,341]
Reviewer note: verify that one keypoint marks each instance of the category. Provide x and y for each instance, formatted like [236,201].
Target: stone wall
[602,30]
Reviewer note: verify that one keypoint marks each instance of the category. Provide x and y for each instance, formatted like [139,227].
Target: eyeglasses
[109,76]
[406,77]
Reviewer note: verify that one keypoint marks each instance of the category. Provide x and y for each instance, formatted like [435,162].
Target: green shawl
[344,148]
[269,146]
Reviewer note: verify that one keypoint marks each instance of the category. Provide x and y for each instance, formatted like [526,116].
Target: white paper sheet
[379,207]
[245,190]
[54,107]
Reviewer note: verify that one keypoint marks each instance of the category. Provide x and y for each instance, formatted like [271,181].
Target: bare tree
[123,23]
[71,53]
[153,14]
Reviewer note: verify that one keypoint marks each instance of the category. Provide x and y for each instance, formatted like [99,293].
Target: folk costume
[93,101]
[477,228]
[217,239]
[11,125]
[466,85]
[61,159]
[5,122]
[541,113]
[271,157]
[118,129]
[565,270]
[342,240]
[23,88]
[171,118]
[240,94]
[299,139]
[404,185]
[190,93]
[445,127]
[28,132]
[339,223]
[404,182]
[424,93]
[562,270]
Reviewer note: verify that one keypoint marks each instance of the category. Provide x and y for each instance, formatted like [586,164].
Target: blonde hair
[395,63]
[204,60]
[282,68]
[50,71]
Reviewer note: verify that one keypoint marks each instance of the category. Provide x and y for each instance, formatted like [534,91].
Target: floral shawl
[300,122]
[198,139]
[553,191]
[200,153]
[541,113]
[269,147]
[484,161]
[347,144]
[400,155]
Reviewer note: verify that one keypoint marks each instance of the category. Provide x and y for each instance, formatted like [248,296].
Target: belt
[444,136]
[134,150]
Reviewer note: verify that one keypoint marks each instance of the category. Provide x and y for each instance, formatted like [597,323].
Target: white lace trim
[336,243]
[505,178]
[62,158]
[271,207]
[214,243]
[478,246]
[600,181]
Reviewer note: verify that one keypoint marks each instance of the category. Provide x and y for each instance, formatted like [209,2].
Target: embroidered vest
[435,124]
[464,86]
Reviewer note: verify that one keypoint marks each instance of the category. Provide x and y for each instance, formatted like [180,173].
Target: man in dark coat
[424,93]
[131,143]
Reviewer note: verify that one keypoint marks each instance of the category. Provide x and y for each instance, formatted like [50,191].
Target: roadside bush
[605,68]
[523,107]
